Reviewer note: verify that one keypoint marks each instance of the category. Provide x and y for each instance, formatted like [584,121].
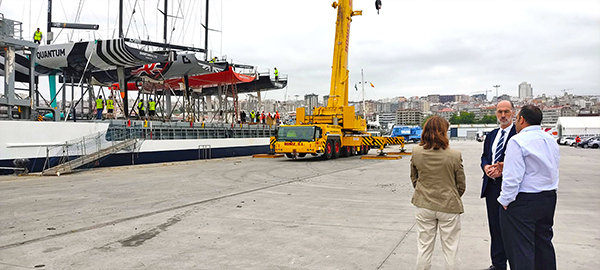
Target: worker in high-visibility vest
[110,106]
[151,108]
[269,119]
[277,117]
[252,116]
[141,109]
[37,36]
[99,107]
[276,72]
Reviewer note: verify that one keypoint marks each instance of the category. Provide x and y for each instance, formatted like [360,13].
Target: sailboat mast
[121,70]
[165,22]
[362,82]
[121,19]
[49,22]
[206,33]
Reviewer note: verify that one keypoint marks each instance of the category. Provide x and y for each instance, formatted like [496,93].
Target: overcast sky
[412,48]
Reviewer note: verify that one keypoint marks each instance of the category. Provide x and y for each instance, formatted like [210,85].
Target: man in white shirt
[528,196]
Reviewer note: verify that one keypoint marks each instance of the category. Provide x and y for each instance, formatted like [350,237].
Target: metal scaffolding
[15,105]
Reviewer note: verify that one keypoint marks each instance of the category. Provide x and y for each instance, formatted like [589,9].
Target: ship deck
[245,213]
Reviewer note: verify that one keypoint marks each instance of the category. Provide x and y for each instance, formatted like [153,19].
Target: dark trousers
[497,251]
[527,231]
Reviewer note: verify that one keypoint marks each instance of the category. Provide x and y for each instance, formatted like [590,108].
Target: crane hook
[378,5]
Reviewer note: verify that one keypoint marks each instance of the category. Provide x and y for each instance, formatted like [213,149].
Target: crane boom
[337,111]
[338,94]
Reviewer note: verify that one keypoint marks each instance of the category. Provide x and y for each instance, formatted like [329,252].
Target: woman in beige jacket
[439,180]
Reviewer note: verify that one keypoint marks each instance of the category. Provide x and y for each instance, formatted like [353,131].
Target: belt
[541,192]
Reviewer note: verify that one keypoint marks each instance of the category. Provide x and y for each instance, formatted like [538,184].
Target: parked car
[593,142]
[566,141]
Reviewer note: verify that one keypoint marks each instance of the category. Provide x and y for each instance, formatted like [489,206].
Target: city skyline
[490,98]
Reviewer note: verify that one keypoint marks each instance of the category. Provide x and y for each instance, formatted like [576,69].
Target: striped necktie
[499,147]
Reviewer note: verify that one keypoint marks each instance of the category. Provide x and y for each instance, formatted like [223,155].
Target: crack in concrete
[392,252]
[299,223]
[14,265]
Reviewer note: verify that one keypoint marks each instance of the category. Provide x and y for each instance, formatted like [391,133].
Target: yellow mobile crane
[334,130]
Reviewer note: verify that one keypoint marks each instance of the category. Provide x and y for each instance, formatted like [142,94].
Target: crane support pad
[381,157]
[399,153]
[267,156]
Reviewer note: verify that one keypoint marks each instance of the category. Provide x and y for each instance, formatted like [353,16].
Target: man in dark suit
[492,161]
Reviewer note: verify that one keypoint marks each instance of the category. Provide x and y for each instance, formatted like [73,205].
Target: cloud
[410,48]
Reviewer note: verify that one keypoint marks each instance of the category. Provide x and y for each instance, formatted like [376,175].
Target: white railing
[70,150]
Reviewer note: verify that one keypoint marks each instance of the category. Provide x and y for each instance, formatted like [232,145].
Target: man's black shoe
[494,268]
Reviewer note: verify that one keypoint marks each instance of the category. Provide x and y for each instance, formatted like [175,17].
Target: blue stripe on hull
[36,164]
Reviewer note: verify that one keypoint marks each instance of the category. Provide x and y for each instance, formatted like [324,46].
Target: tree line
[467,118]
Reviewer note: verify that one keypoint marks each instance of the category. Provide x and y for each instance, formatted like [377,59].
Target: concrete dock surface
[245,213]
